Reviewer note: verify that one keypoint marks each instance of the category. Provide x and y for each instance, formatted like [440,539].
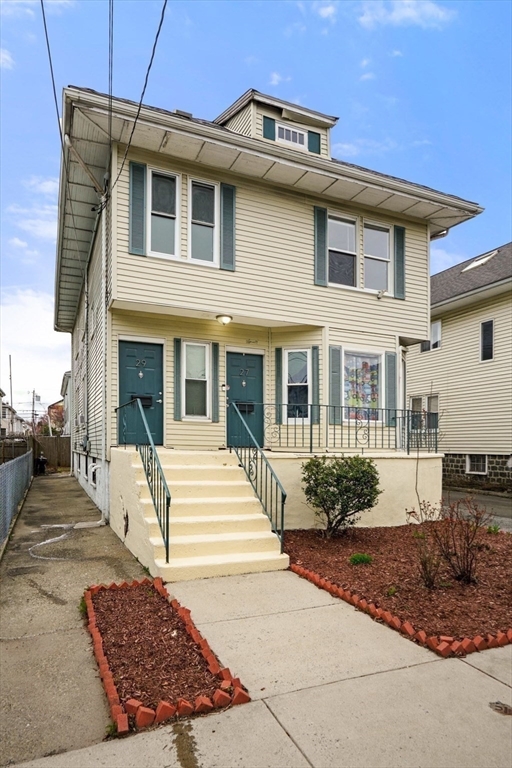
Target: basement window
[476,464]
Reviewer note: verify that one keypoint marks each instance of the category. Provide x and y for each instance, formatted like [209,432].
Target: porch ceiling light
[224,319]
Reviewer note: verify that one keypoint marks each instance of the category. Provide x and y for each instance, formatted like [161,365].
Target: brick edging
[229,692]
[443,645]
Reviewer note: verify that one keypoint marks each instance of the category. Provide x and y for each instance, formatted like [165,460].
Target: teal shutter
[177,379]
[315,385]
[137,242]
[314,142]
[215,382]
[279,384]
[335,381]
[391,388]
[320,246]
[269,128]
[227,227]
[399,262]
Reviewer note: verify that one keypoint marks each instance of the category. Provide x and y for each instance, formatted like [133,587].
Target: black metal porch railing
[132,421]
[309,428]
[262,477]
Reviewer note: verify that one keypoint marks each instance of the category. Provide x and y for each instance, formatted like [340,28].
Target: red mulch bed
[451,609]
[149,652]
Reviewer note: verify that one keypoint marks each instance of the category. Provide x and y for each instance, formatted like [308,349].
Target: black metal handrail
[314,427]
[262,477]
[152,468]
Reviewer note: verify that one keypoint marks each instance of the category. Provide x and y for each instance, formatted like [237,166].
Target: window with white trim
[287,134]
[362,384]
[476,464]
[432,415]
[196,380]
[203,211]
[435,338]
[297,378]
[342,251]
[162,213]
[376,257]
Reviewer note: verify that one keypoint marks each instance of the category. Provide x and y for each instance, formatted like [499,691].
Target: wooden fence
[57,450]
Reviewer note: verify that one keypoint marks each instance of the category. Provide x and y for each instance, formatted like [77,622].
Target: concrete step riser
[198,527]
[199,507]
[193,473]
[186,573]
[219,547]
[207,491]
[221,458]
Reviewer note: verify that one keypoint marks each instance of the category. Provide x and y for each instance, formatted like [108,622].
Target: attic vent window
[480,260]
[289,135]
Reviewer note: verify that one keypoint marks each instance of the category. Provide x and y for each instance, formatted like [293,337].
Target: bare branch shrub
[429,558]
[456,537]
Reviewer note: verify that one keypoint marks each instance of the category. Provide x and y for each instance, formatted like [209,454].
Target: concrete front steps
[217,525]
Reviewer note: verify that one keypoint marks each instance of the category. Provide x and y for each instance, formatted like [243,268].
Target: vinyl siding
[274,261]
[242,122]
[276,115]
[475,397]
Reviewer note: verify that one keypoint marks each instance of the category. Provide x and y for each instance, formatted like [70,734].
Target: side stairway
[217,524]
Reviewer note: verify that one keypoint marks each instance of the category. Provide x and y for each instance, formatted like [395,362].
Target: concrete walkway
[51,696]
[330,688]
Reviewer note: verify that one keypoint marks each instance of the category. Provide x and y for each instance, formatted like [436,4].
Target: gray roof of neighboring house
[454,282]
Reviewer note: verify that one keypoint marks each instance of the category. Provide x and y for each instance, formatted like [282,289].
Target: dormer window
[289,135]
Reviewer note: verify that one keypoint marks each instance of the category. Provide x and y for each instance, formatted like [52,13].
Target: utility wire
[66,165]
[110,71]
[162,15]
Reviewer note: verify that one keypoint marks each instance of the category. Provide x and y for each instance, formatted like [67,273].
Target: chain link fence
[14,480]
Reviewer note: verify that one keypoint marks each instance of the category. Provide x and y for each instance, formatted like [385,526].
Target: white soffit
[176,144]
[345,189]
[314,182]
[424,209]
[282,173]
[369,196]
[252,165]
[217,155]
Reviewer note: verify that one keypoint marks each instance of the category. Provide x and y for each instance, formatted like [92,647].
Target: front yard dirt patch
[149,652]
[392,580]
[153,661]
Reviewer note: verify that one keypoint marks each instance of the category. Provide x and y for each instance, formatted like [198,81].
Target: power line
[66,168]
[162,15]
[110,71]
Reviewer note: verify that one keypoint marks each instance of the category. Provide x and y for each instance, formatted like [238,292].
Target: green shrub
[339,489]
[359,558]
[493,529]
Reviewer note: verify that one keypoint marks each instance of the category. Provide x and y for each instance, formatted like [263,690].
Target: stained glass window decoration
[362,385]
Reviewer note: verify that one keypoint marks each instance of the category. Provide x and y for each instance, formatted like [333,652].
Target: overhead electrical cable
[110,71]
[65,164]
[162,15]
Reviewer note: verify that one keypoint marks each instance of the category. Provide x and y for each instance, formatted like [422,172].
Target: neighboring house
[65,391]
[464,372]
[232,274]
[12,423]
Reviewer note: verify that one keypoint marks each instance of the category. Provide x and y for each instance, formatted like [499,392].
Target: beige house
[238,300]
[464,372]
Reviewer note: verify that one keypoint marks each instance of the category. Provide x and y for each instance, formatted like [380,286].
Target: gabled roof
[490,269]
[295,111]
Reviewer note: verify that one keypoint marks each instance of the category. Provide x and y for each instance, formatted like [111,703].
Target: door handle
[159,401]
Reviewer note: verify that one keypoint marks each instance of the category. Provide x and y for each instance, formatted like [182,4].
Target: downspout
[104,203]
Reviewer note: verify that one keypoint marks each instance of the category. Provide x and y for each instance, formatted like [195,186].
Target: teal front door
[141,376]
[245,381]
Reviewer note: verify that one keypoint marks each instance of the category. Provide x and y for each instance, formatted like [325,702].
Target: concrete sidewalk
[52,699]
[330,688]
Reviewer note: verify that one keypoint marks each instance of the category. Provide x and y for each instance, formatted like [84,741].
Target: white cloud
[326,10]
[396,52]
[298,27]
[365,63]
[17,243]
[250,60]
[17,8]
[39,220]
[276,79]
[40,358]
[421,13]
[441,259]
[6,60]
[363,147]
[368,76]
[421,143]
[48,186]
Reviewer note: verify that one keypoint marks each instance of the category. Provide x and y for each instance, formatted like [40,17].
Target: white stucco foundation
[397,478]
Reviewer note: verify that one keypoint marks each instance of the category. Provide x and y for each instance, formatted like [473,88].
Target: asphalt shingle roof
[455,281]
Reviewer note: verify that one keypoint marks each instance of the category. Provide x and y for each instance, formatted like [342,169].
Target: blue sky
[422,90]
